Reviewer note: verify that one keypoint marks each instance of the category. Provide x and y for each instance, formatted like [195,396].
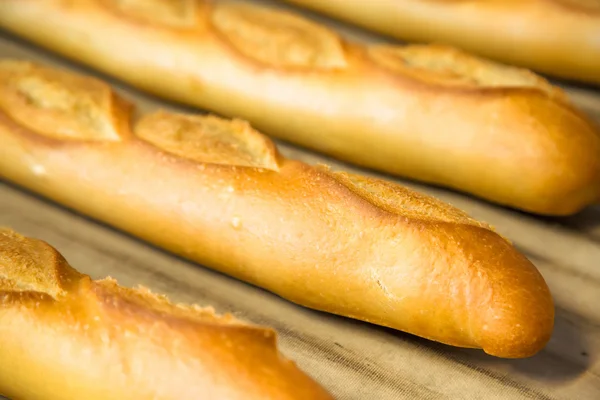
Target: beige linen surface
[355,360]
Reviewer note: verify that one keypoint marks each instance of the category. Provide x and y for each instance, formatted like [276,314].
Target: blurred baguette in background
[428,113]
[556,37]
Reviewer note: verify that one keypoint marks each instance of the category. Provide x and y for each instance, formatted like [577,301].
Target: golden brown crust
[96,328]
[429,113]
[313,236]
[586,7]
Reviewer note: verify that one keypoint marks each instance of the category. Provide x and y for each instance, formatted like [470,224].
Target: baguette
[432,114]
[557,37]
[218,192]
[66,336]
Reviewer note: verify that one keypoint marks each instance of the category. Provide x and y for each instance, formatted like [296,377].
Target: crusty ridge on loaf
[404,201]
[95,328]
[31,265]
[217,192]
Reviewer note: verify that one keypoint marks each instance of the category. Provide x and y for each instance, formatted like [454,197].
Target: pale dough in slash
[56,104]
[449,66]
[208,139]
[172,13]
[277,38]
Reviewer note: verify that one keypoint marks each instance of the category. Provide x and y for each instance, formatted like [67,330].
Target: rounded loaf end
[560,156]
[515,310]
